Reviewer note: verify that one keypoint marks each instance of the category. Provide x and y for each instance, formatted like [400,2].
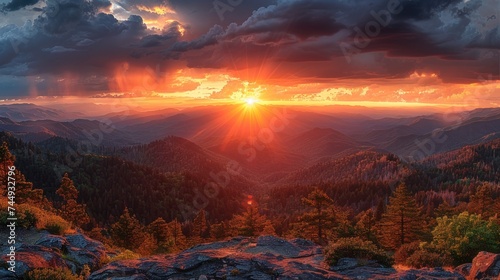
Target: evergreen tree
[199,227]
[71,210]
[365,227]
[250,223]
[67,190]
[6,160]
[218,231]
[445,209]
[127,232]
[268,228]
[482,202]
[179,240]
[23,189]
[321,217]
[159,230]
[401,223]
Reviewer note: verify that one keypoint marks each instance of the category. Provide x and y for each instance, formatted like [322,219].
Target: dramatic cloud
[15,5]
[276,43]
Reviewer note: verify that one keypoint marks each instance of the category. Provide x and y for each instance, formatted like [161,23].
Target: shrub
[25,219]
[464,236]
[51,274]
[425,258]
[355,247]
[125,255]
[405,251]
[55,228]
[31,215]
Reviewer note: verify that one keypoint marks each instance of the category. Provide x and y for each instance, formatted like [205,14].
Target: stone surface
[44,250]
[265,258]
[464,269]
[485,266]
[344,264]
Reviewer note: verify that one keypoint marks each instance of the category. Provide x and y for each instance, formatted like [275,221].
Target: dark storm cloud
[102,4]
[289,20]
[303,37]
[424,9]
[15,5]
[303,31]
[72,38]
[300,18]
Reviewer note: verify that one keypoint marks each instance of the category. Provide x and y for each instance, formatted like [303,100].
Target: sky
[441,52]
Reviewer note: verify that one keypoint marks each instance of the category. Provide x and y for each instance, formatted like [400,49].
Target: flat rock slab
[263,258]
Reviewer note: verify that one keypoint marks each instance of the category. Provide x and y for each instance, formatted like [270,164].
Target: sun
[250,101]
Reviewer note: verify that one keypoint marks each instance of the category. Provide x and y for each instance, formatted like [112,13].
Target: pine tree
[322,215]
[199,227]
[179,240]
[401,223]
[67,190]
[6,159]
[250,223]
[445,209]
[127,232]
[24,191]
[159,230]
[482,202]
[268,228]
[71,210]
[218,231]
[366,225]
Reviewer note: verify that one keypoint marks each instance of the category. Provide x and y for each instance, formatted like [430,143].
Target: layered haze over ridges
[219,134]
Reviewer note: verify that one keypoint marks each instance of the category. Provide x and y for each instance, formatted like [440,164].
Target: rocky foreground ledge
[262,258]
[269,257]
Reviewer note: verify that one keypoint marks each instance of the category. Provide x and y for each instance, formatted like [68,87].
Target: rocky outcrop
[485,266]
[266,257]
[262,258]
[73,251]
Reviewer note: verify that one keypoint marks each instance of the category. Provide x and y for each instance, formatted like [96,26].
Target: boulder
[464,269]
[485,266]
[53,251]
[52,241]
[344,264]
